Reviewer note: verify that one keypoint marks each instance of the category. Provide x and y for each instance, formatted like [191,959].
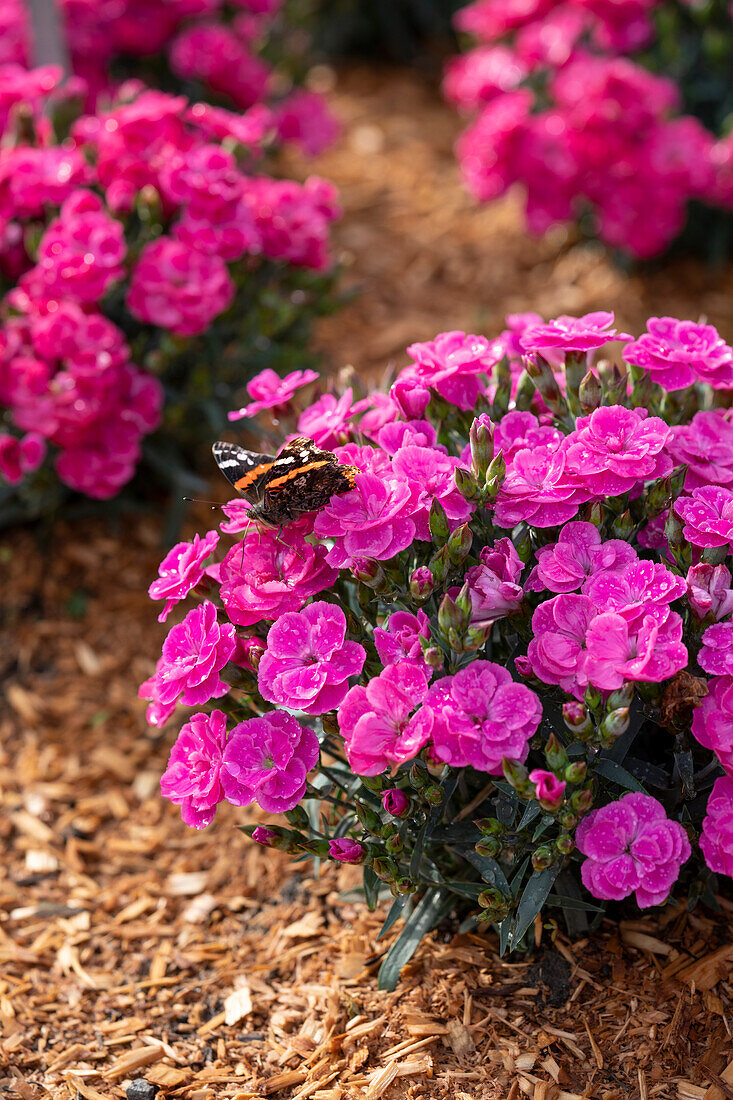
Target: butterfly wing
[308,474]
[246,470]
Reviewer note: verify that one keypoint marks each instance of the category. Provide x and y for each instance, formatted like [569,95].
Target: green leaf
[532,811]
[395,911]
[533,898]
[612,771]
[429,912]
[417,851]
[490,871]
[562,902]
[504,929]
[371,888]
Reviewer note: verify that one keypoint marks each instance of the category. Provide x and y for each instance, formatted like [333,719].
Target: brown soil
[132,947]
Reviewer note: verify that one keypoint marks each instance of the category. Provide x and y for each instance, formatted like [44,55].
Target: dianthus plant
[498,672]
[612,114]
[150,264]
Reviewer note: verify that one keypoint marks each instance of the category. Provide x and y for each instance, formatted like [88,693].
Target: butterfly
[300,478]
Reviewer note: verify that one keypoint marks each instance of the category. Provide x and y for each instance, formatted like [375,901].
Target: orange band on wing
[244,482]
[295,473]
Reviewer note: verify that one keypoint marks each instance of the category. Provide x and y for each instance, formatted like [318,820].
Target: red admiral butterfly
[300,478]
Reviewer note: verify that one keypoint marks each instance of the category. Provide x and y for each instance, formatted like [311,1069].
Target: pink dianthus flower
[572,334]
[538,489]
[451,365]
[181,570]
[519,431]
[493,584]
[618,652]
[268,576]
[556,653]
[267,759]
[431,475]
[579,553]
[269,391]
[327,420]
[548,788]
[677,353]
[308,661]
[705,446]
[194,653]
[636,590]
[479,716]
[179,288]
[716,842]
[378,723]
[192,778]
[346,850]
[615,448]
[707,516]
[716,655]
[373,520]
[19,457]
[712,720]
[709,590]
[399,642]
[631,847]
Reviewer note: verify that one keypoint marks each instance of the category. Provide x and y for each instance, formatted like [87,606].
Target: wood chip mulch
[133,947]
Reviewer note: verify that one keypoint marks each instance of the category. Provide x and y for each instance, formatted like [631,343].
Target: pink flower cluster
[563,108]
[151,161]
[501,593]
[207,44]
[67,379]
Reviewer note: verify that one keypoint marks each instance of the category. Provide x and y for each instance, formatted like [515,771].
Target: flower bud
[673,529]
[370,573]
[481,438]
[581,801]
[489,846]
[623,526]
[433,795]
[372,782]
[396,802]
[433,656]
[421,583]
[595,514]
[346,850]
[549,789]
[439,565]
[394,845]
[419,775]
[614,724]
[367,817]
[576,718]
[590,393]
[543,857]
[148,205]
[567,819]
[565,844]
[490,826]
[466,484]
[516,774]
[385,869]
[264,836]
[576,773]
[438,521]
[593,697]
[495,474]
[476,637]
[450,616]
[491,898]
[459,544]
[621,697]
[405,886]
[555,755]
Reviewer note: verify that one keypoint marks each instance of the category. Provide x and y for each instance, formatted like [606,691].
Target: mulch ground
[133,947]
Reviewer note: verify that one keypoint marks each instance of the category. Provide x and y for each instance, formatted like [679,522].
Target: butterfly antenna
[199,500]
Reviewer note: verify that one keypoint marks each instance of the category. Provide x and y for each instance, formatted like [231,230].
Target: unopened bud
[614,724]
[567,819]
[438,521]
[450,617]
[516,774]
[495,474]
[298,817]
[466,484]
[148,205]
[394,845]
[576,773]
[489,846]
[421,583]
[476,637]
[593,697]
[433,796]
[543,857]
[385,869]
[522,540]
[623,526]
[439,565]
[565,844]
[367,817]
[491,898]
[481,438]
[370,573]
[590,393]
[433,656]
[595,513]
[620,698]
[555,755]
[576,718]
[673,529]
[459,544]
[581,801]
[405,886]
[490,826]
[419,775]
[396,802]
